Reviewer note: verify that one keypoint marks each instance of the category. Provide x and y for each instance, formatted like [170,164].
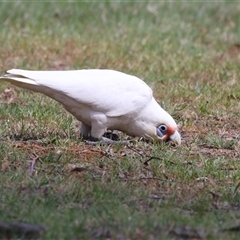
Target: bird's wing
[108,91]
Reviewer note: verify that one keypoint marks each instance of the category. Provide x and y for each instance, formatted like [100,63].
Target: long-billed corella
[102,100]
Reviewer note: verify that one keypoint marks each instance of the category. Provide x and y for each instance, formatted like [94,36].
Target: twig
[107,151]
[134,150]
[151,158]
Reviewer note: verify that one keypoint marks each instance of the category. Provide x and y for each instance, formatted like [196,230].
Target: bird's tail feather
[18,79]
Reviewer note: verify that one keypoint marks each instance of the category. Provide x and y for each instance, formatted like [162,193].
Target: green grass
[189,53]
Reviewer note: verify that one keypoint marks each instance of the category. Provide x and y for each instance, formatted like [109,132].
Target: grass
[188,52]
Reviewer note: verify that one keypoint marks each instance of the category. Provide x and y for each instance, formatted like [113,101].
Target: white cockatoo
[102,100]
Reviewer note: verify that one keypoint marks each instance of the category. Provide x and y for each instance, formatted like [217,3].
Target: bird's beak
[176,137]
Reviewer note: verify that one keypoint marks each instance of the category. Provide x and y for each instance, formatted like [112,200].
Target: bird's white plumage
[108,91]
[100,99]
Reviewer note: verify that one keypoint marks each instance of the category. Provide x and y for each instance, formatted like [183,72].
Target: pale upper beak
[176,137]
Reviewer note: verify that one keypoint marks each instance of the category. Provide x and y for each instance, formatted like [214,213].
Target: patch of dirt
[217,152]
[213,136]
[233,52]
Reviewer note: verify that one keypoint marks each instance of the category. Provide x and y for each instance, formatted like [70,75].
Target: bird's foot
[111,135]
[108,138]
[103,140]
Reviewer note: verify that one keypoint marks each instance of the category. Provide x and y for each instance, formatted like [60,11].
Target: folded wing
[110,92]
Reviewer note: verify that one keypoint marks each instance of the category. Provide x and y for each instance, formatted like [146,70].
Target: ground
[189,54]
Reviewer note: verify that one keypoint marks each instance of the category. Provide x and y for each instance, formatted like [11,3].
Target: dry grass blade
[32,162]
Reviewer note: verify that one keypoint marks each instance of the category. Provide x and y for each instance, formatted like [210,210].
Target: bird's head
[166,132]
[160,126]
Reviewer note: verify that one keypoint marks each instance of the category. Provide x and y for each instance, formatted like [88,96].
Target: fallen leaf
[9,96]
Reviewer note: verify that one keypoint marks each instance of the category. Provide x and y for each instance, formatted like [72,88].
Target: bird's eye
[162,130]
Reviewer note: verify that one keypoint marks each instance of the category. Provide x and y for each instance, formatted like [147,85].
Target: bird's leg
[98,134]
[85,134]
[85,131]
[92,135]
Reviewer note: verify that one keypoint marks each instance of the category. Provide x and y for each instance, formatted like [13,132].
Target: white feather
[100,99]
